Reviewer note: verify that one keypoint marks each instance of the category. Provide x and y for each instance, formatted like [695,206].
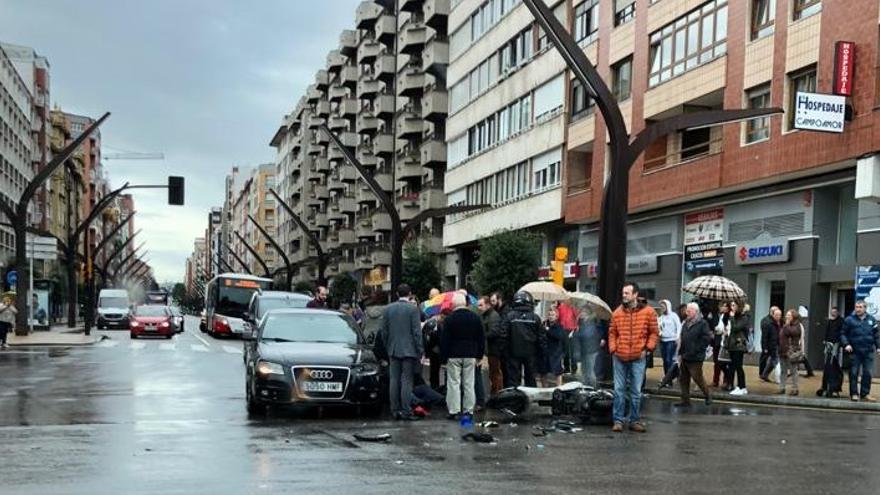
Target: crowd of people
[522,348]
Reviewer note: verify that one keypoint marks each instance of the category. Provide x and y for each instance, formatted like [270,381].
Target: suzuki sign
[761,251]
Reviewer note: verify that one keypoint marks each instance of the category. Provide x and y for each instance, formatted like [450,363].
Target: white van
[114,309]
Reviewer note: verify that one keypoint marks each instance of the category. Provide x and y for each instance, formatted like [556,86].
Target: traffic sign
[42,248]
[11,277]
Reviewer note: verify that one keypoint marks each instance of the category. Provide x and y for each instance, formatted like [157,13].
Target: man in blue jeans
[861,339]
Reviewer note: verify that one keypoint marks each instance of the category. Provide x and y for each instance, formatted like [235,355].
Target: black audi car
[310,357]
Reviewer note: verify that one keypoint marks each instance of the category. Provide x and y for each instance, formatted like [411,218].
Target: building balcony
[367,87]
[381,221]
[346,235]
[348,107]
[335,61]
[437,14]
[408,166]
[366,157]
[409,125]
[408,207]
[345,266]
[338,124]
[319,220]
[348,77]
[313,148]
[383,106]
[364,196]
[435,57]
[313,94]
[321,166]
[315,201]
[385,68]
[433,153]
[432,198]
[435,105]
[364,229]
[322,138]
[411,5]
[384,179]
[367,124]
[347,173]
[366,14]
[322,80]
[383,145]
[336,93]
[348,42]
[381,257]
[332,268]
[411,82]
[363,263]
[347,204]
[322,109]
[315,122]
[368,51]
[334,184]
[386,30]
[335,216]
[412,37]
[335,154]
[349,139]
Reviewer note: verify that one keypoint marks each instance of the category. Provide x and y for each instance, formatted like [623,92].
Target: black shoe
[409,417]
[452,417]
[708,401]
[396,416]
[682,405]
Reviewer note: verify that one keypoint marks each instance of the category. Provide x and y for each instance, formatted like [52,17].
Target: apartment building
[506,131]
[252,199]
[16,150]
[787,212]
[234,183]
[65,187]
[213,246]
[92,173]
[383,93]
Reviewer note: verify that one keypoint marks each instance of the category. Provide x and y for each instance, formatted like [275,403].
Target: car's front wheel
[254,406]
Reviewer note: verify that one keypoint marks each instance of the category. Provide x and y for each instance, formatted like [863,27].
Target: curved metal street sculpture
[277,248]
[267,273]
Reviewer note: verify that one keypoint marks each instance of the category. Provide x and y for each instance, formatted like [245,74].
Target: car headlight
[135,323]
[268,368]
[366,369]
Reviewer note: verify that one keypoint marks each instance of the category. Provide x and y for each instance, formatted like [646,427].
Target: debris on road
[382,437]
[478,437]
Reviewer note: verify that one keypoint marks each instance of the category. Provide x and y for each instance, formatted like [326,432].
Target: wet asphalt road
[168,417]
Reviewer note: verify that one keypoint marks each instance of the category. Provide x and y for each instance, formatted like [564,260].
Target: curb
[781,400]
[93,341]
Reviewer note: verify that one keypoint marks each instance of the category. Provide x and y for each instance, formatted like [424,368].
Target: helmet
[523,298]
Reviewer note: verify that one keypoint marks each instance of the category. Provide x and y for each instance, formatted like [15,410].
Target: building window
[806,8]
[586,21]
[581,103]
[803,81]
[624,11]
[695,143]
[758,129]
[621,79]
[688,42]
[763,15]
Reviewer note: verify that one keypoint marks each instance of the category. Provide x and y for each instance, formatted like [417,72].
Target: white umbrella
[592,302]
[545,291]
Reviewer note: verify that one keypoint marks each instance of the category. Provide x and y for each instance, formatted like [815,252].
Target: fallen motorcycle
[588,404]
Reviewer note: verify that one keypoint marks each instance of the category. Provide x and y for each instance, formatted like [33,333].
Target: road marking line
[198,347]
[165,346]
[201,339]
[232,350]
[136,345]
[107,343]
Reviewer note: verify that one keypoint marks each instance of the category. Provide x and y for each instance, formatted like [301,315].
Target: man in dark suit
[402,334]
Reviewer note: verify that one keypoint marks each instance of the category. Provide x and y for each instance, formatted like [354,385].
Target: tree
[178,293]
[343,289]
[304,287]
[508,260]
[420,270]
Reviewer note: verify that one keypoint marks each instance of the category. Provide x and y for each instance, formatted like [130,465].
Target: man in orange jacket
[634,333]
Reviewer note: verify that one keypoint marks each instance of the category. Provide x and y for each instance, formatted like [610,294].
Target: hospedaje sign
[819,112]
[761,251]
[844,67]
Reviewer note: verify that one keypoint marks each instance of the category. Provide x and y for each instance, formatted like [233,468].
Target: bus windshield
[233,296]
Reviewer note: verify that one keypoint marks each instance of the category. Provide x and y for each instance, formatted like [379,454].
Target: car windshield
[113,302]
[310,327]
[151,311]
[234,301]
[268,304]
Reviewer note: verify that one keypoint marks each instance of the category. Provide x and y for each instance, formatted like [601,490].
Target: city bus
[226,300]
[157,298]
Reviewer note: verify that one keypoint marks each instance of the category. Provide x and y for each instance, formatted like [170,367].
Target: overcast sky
[206,82]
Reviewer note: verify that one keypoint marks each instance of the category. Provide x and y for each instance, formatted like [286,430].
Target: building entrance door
[769,291]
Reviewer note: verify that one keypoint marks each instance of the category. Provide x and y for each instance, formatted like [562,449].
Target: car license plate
[322,386]
[150,328]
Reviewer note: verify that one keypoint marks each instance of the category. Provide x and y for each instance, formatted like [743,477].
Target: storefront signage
[376,277]
[844,67]
[868,288]
[704,265]
[705,226]
[761,251]
[704,256]
[635,265]
[816,112]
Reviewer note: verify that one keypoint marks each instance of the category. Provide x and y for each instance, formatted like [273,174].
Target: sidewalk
[761,392]
[57,335]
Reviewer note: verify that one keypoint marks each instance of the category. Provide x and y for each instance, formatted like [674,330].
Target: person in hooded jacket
[524,338]
[694,339]
[670,330]
[494,343]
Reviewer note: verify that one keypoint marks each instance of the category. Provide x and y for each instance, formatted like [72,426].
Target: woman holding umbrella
[737,345]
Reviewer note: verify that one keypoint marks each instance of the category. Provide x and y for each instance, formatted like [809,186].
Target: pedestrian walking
[832,367]
[695,338]
[462,344]
[7,319]
[402,334]
[568,321]
[790,351]
[737,345]
[525,338]
[590,338]
[861,340]
[770,327]
[320,300]
[632,335]
[494,343]
[431,336]
[721,355]
[551,368]
[670,330]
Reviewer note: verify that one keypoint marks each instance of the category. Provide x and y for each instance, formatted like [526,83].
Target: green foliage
[304,287]
[178,293]
[508,260]
[420,270]
[343,289]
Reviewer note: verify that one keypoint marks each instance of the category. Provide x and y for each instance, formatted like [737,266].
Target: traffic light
[175,190]
[557,266]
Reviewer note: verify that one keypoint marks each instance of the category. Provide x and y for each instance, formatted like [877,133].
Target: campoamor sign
[817,112]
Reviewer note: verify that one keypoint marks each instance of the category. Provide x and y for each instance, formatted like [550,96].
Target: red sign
[844,67]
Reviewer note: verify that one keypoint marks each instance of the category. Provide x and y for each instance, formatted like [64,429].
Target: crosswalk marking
[167,347]
[136,345]
[232,350]
[198,347]
[107,343]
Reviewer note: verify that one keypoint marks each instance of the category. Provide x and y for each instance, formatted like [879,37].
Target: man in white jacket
[670,330]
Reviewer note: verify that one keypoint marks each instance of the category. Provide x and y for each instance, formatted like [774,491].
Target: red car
[153,321]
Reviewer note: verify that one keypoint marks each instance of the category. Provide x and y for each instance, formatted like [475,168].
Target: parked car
[310,357]
[153,321]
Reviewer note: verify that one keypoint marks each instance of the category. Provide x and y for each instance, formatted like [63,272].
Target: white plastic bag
[777,373]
